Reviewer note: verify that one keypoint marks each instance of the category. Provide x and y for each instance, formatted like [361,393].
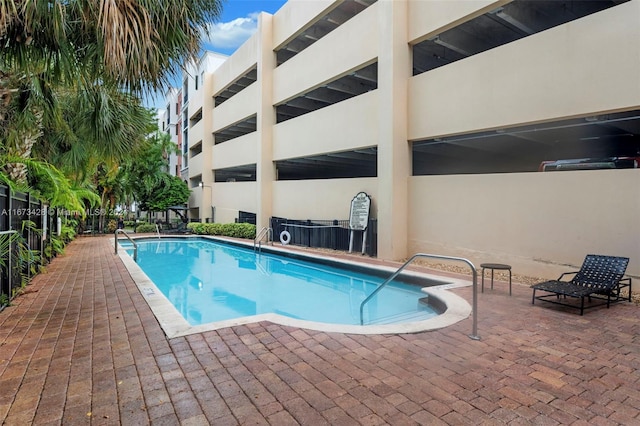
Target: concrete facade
[171,123]
[264,117]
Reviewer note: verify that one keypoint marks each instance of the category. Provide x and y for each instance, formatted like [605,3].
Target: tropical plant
[170,192]
[54,247]
[4,300]
[236,230]
[102,126]
[112,226]
[145,227]
[149,167]
[59,54]
[6,241]
[67,232]
[29,259]
[24,262]
[108,37]
[147,174]
[48,183]
[71,76]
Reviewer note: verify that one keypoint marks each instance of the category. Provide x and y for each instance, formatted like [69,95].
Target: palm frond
[52,186]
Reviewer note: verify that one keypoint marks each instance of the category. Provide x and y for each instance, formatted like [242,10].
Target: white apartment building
[171,119]
[170,122]
[196,117]
[442,112]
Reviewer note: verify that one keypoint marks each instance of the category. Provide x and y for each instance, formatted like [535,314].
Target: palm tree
[58,45]
[20,121]
[91,118]
[148,169]
[136,44]
[73,142]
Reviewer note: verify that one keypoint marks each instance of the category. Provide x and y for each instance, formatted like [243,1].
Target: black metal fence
[331,234]
[22,218]
[246,217]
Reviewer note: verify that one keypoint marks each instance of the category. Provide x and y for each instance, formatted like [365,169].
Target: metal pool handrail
[474,331]
[135,246]
[264,231]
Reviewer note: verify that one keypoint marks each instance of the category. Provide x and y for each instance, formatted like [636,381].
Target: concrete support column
[204,72]
[266,119]
[394,157]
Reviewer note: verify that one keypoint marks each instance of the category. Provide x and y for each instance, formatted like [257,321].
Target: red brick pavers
[82,347]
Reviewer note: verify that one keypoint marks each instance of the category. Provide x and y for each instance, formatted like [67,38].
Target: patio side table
[498,267]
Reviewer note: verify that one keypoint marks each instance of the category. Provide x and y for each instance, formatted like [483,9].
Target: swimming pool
[212,284]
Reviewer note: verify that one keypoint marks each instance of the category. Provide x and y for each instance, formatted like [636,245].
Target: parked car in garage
[590,164]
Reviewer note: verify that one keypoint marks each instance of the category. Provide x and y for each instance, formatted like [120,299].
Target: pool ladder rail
[474,331]
[264,232]
[135,245]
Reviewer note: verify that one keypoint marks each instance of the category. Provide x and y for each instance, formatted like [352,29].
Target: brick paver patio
[82,347]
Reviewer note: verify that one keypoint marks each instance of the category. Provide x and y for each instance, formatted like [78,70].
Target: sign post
[359,218]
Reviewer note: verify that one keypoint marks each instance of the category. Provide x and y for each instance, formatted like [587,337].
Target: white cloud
[230,35]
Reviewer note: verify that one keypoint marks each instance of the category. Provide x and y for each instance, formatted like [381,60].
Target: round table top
[495,266]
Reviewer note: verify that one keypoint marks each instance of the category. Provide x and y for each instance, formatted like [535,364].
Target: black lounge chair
[599,277]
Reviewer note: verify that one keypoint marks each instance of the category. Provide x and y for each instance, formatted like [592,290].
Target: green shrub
[196,227]
[55,246]
[112,226]
[67,233]
[236,230]
[239,230]
[146,227]
[25,262]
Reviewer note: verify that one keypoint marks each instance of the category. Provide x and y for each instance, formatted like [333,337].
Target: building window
[194,182]
[196,149]
[185,139]
[185,91]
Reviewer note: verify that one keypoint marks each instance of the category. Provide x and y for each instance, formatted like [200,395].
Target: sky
[238,22]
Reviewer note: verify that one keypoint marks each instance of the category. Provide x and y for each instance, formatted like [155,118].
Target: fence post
[10,269]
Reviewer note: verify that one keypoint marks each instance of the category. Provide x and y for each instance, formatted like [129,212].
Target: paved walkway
[82,347]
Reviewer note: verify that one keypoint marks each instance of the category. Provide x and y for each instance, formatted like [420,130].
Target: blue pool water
[209,281]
